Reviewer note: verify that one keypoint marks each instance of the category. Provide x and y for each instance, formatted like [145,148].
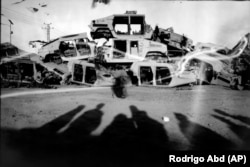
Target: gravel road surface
[88,126]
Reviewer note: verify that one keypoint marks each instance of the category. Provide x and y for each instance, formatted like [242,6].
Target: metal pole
[10,29]
[48,28]
[48,32]
[10,33]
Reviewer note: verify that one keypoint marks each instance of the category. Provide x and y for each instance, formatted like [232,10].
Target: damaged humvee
[67,48]
[26,71]
[131,24]
[216,64]
[129,50]
[151,73]
[87,74]
[121,25]
[207,64]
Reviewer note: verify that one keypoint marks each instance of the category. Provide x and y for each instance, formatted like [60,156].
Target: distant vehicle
[121,25]
[129,50]
[67,48]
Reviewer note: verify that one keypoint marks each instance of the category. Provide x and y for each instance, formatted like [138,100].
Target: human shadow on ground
[64,139]
[243,119]
[149,129]
[67,140]
[36,138]
[202,138]
[84,124]
[243,132]
[139,139]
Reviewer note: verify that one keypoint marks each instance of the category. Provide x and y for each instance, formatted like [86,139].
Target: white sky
[219,22]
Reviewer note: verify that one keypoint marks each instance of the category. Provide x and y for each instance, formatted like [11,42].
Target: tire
[234,83]
[240,87]
[47,58]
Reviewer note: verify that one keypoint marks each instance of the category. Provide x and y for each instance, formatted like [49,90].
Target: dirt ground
[91,127]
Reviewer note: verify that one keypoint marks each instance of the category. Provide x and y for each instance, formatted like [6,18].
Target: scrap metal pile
[157,57]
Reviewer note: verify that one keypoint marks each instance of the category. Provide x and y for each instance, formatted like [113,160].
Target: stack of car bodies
[158,57]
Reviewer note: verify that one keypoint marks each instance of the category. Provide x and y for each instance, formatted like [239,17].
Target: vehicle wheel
[41,58]
[209,76]
[240,87]
[57,59]
[102,59]
[47,58]
[233,83]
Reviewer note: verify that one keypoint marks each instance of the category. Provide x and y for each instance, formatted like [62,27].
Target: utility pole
[11,23]
[11,32]
[48,28]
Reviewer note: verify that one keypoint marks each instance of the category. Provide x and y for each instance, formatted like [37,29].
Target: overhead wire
[32,18]
[28,19]
[20,16]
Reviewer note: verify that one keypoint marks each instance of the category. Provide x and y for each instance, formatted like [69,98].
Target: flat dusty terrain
[92,128]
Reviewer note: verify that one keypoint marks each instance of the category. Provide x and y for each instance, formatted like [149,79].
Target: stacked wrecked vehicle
[156,57]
